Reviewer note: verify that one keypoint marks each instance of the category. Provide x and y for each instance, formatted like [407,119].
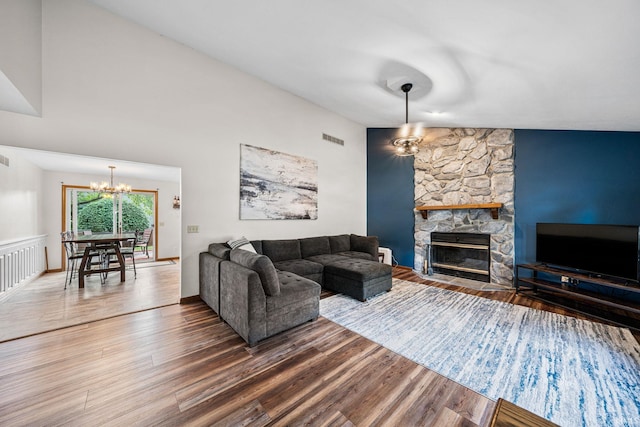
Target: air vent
[332,139]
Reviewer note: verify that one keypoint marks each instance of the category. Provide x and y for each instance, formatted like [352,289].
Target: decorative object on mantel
[409,134]
[275,185]
[108,187]
[493,207]
[176,202]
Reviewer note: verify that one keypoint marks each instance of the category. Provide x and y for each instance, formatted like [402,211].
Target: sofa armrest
[209,278]
[366,244]
[243,302]
[220,250]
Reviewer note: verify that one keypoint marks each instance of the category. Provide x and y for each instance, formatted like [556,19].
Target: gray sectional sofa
[264,293]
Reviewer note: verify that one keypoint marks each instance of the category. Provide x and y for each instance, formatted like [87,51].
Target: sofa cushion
[326,259]
[261,265]
[294,290]
[340,243]
[257,245]
[301,267]
[312,246]
[354,254]
[366,244]
[241,243]
[281,250]
[220,250]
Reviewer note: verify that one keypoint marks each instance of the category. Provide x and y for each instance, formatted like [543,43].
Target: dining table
[105,246]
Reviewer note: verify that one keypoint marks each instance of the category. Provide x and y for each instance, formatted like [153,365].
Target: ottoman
[358,278]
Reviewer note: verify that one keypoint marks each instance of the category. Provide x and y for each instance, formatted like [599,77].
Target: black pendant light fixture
[409,135]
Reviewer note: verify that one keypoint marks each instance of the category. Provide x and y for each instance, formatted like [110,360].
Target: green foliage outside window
[97,216]
[142,201]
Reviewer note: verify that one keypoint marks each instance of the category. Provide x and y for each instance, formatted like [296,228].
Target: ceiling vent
[332,139]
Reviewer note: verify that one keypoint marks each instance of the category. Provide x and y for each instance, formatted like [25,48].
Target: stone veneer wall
[462,166]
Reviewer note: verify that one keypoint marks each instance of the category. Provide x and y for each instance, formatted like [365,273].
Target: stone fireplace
[467,167]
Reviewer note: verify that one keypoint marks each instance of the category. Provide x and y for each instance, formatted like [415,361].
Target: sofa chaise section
[258,301]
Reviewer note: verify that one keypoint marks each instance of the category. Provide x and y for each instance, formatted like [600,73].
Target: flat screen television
[597,249]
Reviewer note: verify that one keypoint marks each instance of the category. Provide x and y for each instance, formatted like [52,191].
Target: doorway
[88,211]
[40,207]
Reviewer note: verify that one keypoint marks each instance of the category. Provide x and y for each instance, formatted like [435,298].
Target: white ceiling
[72,163]
[537,64]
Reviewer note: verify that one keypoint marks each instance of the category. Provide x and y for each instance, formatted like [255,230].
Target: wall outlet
[192,228]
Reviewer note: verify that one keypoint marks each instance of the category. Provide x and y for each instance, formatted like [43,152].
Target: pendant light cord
[406,107]
[406,88]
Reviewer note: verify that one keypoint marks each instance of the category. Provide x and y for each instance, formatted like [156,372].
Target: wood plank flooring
[509,415]
[44,305]
[181,365]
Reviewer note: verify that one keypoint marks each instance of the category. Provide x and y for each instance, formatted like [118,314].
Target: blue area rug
[570,371]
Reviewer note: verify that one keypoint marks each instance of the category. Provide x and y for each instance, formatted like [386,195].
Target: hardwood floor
[509,415]
[44,305]
[181,365]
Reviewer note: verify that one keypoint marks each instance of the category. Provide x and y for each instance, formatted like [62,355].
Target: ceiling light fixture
[409,135]
[108,187]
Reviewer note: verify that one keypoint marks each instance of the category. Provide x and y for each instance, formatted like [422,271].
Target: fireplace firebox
[460,254]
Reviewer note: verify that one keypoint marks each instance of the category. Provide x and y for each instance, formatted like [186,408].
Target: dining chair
[143,240]
[106,256]
[75,251]
[73,255]
[127,249]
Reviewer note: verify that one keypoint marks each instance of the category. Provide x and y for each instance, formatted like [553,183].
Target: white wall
[113,89]
[168,226]
[21,202]
[20,25]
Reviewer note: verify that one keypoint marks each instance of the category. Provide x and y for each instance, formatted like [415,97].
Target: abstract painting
[275,185]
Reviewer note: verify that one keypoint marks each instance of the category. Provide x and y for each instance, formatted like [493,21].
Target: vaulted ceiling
[569,64]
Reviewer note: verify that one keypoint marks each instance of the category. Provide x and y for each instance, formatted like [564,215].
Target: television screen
[606,250]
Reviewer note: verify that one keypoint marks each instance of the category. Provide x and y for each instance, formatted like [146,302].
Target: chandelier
[409,135]
[108,187]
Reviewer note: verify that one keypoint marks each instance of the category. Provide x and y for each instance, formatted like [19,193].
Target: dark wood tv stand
[571,290]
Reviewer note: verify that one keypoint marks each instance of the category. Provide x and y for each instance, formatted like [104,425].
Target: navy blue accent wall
[575,177]
[390,192]
[560,176]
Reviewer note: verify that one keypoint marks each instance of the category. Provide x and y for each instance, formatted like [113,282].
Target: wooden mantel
[493,207]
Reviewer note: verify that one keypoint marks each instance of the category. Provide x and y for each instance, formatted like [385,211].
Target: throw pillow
[241,243]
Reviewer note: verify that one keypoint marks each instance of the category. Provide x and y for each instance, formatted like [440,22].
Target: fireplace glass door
[461,255]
